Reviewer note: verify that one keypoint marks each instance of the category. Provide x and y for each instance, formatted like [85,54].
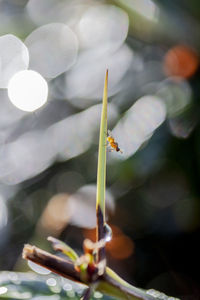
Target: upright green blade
[101,172]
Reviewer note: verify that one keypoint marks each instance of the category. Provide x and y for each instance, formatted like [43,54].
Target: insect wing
[110,133]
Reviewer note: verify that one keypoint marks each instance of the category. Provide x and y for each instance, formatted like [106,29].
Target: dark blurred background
[48,156]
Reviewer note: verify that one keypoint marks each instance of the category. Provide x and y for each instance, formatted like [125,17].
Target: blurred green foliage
[28,286]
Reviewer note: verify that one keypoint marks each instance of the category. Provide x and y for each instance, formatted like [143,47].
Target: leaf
[64,248]
[101,172]
[31,286]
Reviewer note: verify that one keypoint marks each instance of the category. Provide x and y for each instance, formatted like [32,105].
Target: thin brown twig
[52,262]
[87,294]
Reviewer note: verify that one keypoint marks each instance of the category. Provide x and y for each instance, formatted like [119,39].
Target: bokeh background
[48,156]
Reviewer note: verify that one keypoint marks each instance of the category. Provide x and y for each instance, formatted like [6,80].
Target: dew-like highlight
[160,295]
[3,290]
[68,287]
[98,295]
[51,282]
[108,233]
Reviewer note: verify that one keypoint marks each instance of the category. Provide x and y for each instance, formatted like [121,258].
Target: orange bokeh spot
[90,234]
[120,247]
[54,217]
[181,61]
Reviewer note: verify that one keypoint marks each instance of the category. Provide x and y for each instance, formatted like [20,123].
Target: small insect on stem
[112,143]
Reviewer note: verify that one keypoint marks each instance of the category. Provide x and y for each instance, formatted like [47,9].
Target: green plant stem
[113,285]
[101,172]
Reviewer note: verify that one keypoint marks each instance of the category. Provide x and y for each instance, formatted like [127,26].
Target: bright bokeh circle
[53,49]
[14,57]
[28,90]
